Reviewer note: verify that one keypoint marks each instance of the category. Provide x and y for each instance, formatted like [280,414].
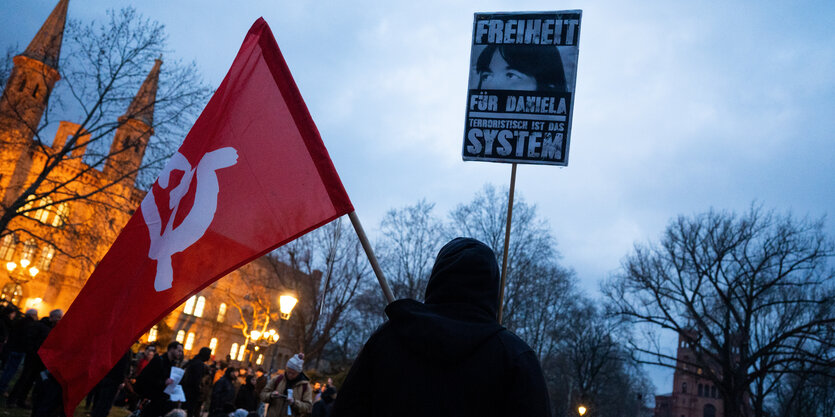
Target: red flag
[251,175]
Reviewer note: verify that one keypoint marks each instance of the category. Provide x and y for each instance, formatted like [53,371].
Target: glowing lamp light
[582,410]
[11,266]
[33,271]
[255,335]
[24,263]
[286,304]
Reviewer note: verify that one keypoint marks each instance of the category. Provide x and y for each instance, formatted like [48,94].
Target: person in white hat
[289,394]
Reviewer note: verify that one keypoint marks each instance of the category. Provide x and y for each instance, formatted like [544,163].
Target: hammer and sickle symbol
[170,240]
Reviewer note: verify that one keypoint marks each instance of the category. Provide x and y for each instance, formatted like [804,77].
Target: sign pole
[371,258]
[507,239]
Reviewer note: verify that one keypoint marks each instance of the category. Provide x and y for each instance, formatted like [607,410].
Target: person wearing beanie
[193,380]
[414,363]
[290,393]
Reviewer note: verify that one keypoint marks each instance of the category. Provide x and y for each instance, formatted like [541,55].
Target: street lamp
[582,410]
[286,303]
[18,275]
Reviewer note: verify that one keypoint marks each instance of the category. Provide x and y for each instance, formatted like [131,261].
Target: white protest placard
[523,70]
[175,390]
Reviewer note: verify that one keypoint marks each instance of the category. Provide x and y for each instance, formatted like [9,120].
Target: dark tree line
[754,295]
[581,352]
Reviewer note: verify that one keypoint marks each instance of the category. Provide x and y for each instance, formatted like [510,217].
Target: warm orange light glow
[285,304]
[581,410]
[11,266]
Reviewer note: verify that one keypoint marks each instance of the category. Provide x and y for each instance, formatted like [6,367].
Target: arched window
[189,308]
[47,253]
[198,307]
[29,249]
[12,292]
[61,214]
[221,313]
[684,387]
[152,334]
[7,247]
[213,345]
[233,353]
[189,341]
[22,85]
[181,336]
[30,201]
[713,391]
[700,390]
[709,411]
[42,213]
[260,359]
[241,352]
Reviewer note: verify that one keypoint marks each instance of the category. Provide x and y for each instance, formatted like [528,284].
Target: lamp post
[21,275]
[286,303]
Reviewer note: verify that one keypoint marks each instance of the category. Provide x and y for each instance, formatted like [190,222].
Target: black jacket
[151,381]
[447,356]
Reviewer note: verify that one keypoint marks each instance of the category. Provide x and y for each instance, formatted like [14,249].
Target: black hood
[461,303]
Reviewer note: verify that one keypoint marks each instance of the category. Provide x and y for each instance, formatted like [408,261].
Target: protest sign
[523,69]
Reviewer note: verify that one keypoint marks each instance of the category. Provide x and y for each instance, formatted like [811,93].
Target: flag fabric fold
[250,176]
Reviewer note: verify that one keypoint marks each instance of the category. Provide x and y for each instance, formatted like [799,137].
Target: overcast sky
[679,106]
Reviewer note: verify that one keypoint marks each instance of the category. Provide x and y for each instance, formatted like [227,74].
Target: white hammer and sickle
[170,240]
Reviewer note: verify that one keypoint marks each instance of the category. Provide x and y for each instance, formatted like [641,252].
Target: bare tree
[105,68]
[591,366]
[334,267]
[411,237]
[751,294]
[538,289]
[253,297]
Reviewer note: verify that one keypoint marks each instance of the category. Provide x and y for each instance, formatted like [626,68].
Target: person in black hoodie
[193,380]
[415,363]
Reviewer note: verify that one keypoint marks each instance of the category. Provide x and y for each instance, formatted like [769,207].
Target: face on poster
[523,70]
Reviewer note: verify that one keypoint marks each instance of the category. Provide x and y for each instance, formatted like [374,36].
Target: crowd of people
[139,380]
[453,332]
[211,388]
[21,335]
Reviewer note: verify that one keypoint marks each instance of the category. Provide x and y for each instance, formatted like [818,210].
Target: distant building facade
[207,319]
[693,395]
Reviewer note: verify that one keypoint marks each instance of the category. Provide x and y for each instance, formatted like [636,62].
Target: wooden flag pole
[371,258]
[507,239]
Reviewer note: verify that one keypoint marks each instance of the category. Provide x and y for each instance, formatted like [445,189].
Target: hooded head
[465,272]
[205,354]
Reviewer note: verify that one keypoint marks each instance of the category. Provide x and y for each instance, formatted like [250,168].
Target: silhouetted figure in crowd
[223,394]
[155,377]
[193,380]
[323,407]
[246,398]
[413,364]
[36,333]
[16,348]
[107,388]
[47,399]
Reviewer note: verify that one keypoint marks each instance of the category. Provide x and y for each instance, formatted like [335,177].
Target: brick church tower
[693,395]
[25,99]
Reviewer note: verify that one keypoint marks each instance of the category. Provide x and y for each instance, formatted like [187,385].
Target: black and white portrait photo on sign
[523,69]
